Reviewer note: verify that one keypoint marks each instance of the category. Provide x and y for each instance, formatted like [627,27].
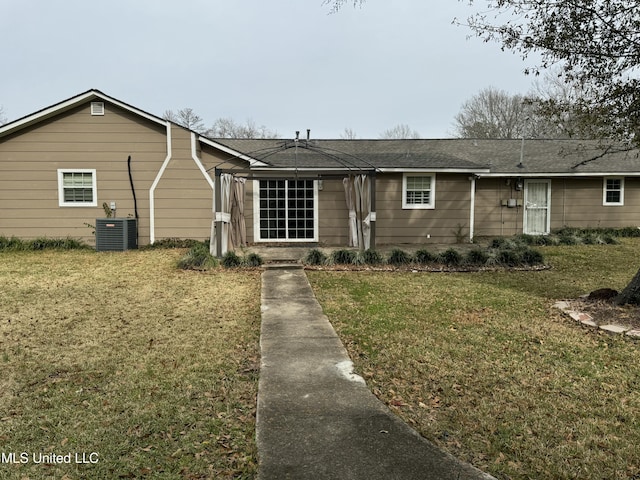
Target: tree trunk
[631,293]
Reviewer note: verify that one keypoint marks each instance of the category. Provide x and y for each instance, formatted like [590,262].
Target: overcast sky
[285,64]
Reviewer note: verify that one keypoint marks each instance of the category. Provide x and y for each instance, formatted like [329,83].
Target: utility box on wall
[116,234]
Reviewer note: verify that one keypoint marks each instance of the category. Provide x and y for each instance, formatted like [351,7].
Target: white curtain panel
[223,214]
[238,234]
[363,208]
[349,194]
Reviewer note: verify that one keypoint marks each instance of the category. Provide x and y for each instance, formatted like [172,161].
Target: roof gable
[70,103]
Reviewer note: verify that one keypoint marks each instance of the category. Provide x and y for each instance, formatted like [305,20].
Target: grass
[152,368]
[481,365]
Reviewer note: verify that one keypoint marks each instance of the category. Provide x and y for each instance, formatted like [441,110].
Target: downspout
[472,208]
[152,211]
[194,157]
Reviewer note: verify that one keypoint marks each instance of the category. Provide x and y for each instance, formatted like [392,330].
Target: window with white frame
[286,210]
[418,190]
[77,188]
[613,191]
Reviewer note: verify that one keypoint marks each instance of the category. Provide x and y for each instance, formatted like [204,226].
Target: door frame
[525,209]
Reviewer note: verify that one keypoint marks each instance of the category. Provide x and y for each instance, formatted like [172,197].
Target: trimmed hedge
[198,258]
[41,243]
[502,252]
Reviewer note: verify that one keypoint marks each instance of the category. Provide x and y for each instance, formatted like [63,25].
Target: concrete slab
[286,284]
[316,419]
[614,328]
[633,333]
[588,322]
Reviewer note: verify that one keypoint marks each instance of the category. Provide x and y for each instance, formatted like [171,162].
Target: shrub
[529,256]
[526,239]
[498,242]
[344,257]
[589,238]
[372,257]
[508,257]
[315,257]
[12,243]
[548,240]
[568,238]
[197,258]
[41,243]
[423,257]
[253,260]
[450,257]
[629,232]
[477,256]
[231,260]
[398,257]
[175,243]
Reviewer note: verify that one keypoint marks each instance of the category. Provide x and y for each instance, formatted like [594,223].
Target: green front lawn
[482,365]
[145,370]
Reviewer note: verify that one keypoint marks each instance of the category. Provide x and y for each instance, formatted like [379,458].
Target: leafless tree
[187,118]
[338,4]
[228,128]
[400,132]
[3,119]
[348,134]
[494,113]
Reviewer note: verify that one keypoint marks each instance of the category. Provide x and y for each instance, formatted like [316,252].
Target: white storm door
[537,207]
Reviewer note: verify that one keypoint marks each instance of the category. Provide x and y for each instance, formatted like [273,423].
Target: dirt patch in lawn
[606,313]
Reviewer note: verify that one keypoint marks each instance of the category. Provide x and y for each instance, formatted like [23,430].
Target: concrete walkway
[318,420]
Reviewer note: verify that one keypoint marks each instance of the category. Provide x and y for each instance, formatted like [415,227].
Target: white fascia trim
[435,170]
[312,170]
[152,210]
[566,174]
[131,109]
[252,161]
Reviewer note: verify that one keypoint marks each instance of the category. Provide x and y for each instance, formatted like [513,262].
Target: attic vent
[97,108]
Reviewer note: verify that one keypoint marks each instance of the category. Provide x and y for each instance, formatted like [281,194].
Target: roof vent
[97,108]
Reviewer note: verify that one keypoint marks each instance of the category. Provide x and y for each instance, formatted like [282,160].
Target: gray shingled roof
[499,156]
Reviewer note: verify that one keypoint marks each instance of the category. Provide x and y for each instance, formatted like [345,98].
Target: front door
[537,206]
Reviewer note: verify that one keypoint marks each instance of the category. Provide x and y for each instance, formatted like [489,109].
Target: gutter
[152,210]
[559,174]
[472,208]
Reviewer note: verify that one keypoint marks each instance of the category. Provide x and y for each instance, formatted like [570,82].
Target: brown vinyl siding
[183,197]
[397,225]
[575,202]
[333,213]
[578,203]
[77,140]
[491,218]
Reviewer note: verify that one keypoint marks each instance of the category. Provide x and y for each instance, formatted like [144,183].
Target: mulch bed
[606,313]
